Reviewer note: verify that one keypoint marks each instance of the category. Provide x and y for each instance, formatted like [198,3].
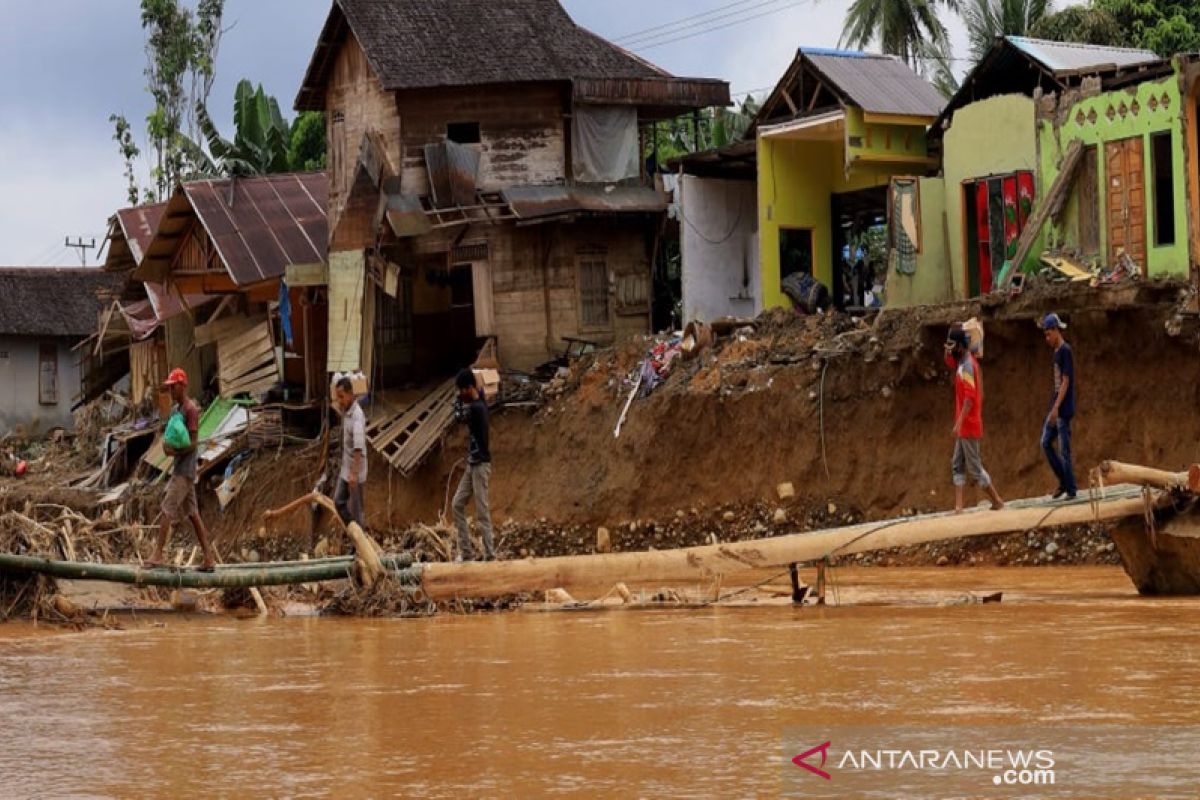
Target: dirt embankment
[867,427]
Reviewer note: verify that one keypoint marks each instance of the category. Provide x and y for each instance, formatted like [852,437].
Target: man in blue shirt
[1062,409]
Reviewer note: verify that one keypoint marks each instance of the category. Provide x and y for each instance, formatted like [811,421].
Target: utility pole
[82,248]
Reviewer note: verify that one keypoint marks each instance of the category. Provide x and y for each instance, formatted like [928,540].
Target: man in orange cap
[179,502]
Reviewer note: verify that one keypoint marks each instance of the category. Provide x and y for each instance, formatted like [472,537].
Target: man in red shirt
[968,420]
[179,501]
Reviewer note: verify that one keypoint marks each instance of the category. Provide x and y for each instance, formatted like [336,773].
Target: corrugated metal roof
[266,224]
[542,201]
[877,84]
[1072,57]
[139,224]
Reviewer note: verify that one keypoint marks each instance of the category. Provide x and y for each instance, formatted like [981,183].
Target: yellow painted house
[835,131]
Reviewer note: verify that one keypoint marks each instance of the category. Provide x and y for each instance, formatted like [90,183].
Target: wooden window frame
[48,391]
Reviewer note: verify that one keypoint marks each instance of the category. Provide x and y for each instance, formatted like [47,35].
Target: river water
[690,703]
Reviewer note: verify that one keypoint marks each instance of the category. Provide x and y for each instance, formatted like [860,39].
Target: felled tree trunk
[494,579]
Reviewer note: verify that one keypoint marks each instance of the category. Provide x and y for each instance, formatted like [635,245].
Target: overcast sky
[66,65]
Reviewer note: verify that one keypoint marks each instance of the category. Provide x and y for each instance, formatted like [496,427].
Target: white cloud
[59,170]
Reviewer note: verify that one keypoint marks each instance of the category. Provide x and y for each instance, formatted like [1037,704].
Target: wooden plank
[346,285]
[406,439]
[225,328]
[298,275]
[1053,200]
[381,433]
[268,375]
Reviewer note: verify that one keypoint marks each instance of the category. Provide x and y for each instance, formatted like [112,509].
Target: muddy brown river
[695,703]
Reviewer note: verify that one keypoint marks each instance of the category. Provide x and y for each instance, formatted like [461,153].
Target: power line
[752,91]
[721,27]
[673,23]
[695,21]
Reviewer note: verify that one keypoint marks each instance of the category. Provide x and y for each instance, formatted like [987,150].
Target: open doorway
[463,344]
[859,245]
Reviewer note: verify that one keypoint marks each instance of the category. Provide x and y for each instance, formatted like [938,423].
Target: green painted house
[1001,139]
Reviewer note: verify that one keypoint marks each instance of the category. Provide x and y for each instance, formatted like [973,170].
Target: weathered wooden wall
[535,286]
[356,104]
[522,138]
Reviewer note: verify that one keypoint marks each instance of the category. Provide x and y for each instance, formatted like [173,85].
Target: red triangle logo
[802,761]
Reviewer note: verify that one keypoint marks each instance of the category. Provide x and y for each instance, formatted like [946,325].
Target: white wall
[719,241]
[19,406]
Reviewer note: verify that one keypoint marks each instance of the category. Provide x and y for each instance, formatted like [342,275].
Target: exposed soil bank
[725,431]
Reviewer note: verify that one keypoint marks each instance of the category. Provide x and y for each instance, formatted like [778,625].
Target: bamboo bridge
[1140,493]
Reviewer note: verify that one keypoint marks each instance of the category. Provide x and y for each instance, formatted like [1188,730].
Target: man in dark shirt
[472,409]
[179,501]
[1062,409]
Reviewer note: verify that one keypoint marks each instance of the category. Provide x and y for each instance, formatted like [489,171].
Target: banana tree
[260,142]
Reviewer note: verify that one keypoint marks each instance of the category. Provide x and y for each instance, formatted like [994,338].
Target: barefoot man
[179,502]
[968,420]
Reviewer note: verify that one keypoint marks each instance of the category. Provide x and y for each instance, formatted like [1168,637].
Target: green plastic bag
[176,434]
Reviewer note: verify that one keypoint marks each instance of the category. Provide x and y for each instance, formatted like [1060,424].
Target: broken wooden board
[406,438]
[1067,267]
[246,362]
[226,328]
[1051,204]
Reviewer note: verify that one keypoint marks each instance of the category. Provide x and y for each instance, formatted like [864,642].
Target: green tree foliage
[988,19]
[260,143]
[904,28]
[716,127]
[306,151]
[181,52]
[1165,26]
[1080,24]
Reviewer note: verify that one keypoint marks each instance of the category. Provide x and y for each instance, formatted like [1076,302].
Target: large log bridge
[445,581]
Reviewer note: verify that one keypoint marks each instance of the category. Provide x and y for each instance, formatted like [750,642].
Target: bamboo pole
[367,551]
[242,576]
[493,579]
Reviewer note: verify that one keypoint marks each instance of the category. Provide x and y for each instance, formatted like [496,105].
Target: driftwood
[367,550]
[496,579]
[1115,472]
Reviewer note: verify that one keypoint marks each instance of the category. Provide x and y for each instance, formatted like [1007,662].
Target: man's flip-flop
[209,568]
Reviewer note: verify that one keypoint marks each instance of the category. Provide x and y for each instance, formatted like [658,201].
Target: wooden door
[1126,191]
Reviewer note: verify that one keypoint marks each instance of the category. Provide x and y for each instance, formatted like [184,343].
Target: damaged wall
[356,105]
[521,133]
[530,286]
[1122,126]
[996,136]
[719,242]
[540,284]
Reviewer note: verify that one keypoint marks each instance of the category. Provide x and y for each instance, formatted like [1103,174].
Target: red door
[982,229]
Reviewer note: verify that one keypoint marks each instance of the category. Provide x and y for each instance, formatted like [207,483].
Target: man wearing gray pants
[472,409]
